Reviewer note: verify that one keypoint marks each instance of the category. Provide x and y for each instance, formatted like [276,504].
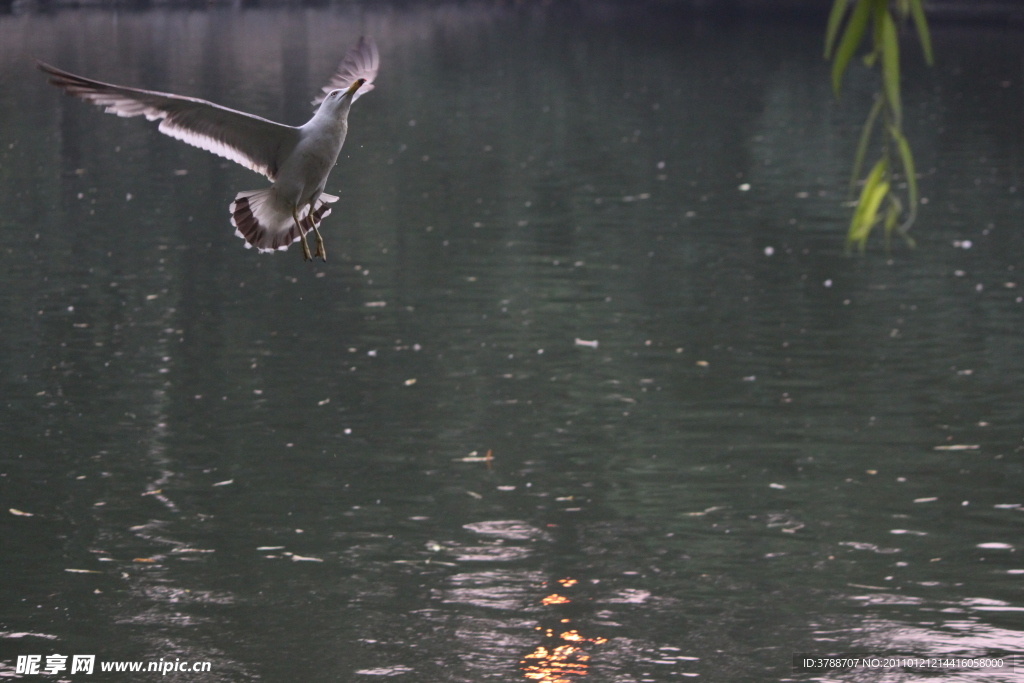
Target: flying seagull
[297,159]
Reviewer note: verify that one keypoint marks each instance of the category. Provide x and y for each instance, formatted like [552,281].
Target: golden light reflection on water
[555,599]
[552,666]
[560,656]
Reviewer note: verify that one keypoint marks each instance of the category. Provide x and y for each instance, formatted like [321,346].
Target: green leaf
[891,67]
[917,12]
[866,215]
[907,159]
[835,19]
[879,9]
[865,138]
[859,232]
[892,216]
[851,39]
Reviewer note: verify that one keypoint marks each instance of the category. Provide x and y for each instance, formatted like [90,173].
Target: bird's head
[339,101]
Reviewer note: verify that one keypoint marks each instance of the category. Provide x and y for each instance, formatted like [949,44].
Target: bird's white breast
[307,168]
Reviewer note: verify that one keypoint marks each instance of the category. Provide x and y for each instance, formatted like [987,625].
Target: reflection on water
[554,665]
[588,387]
[564,652]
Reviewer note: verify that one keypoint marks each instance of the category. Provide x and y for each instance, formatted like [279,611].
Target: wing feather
[256,143]
[362,61]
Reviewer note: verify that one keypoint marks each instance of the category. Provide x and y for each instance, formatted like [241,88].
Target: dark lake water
[603,247]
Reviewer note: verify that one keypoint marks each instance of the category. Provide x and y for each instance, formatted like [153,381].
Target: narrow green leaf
[835,19]
[878,172]
[917,11]
[851,39]
[865,138]
[879,9]
[892,216]
[907,159]
[874,200]
[859,233]
[902,229]
[864,218]
[896,203]
[891,67]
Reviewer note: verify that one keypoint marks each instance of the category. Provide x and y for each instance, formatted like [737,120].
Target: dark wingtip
[58,77]
[43,66]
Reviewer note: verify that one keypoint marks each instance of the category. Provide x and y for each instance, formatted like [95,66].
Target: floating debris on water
[301,558]
[856,545]
[385,671]
[473,457]
[589,344]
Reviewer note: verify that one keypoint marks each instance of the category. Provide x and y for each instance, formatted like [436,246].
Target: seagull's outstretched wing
[361,61]
[254,142]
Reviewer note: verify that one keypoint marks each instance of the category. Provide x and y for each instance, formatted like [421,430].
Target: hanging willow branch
[878,202]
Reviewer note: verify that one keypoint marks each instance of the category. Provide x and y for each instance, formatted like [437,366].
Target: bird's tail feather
[264,219]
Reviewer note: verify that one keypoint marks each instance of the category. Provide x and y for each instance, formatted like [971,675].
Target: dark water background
[279,468]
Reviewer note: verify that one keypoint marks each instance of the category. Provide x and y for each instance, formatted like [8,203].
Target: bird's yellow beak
[355,86]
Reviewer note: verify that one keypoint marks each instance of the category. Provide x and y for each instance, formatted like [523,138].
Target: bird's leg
[302,236]
[321,249]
